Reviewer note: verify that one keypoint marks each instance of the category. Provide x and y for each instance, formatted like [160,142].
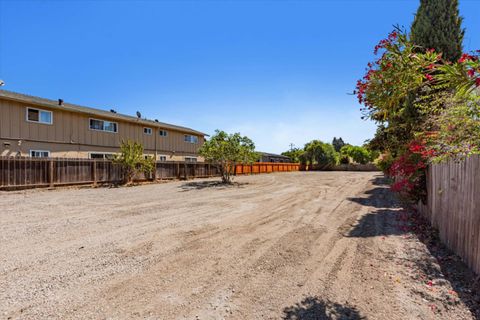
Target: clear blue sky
[277,71]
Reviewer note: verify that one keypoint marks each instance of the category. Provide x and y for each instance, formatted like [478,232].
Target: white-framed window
[100,155]
[147,156]
[190,159]
[147,131]
[39,116]
[162,158]
[163,133]
[103,125]
[190,138]
[39,153]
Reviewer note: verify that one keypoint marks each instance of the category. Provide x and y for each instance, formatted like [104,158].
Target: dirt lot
[317,245]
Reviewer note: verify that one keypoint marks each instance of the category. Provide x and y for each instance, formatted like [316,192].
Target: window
[102,125]
[147,156]
[162,158]
[190,159]
[40,116]
[97,155]
[191,139]
[39,153]
[147,131]
[163,133]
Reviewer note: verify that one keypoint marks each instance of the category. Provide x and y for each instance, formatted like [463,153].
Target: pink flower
[429,77]
[466,57]
[393,35]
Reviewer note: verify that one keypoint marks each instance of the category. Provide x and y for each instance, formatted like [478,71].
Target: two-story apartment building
[38,127]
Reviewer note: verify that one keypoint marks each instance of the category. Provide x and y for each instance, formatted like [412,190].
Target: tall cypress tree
[438,25]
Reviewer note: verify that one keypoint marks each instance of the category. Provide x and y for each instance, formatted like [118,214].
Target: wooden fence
[339,167]
[266,167]
[453,206]
[26,172]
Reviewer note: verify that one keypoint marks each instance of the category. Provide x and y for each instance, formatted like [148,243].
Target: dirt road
[317,245]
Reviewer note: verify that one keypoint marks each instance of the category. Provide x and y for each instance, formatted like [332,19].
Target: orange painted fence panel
[265,167]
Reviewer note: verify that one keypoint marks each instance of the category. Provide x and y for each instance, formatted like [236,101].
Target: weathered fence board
[26,172]
[453,206]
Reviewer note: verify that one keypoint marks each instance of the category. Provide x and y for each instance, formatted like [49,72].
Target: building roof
[54,104]
[266,154]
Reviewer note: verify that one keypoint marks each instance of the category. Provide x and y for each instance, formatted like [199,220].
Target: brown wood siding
[73,128]
[174,141]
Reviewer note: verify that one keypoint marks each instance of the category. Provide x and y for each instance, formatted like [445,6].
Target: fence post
[50,173]
[185,176]
[209,173]
[178,170]
[94,172]
[155,170]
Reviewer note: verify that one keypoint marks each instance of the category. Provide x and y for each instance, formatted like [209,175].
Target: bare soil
[301,245]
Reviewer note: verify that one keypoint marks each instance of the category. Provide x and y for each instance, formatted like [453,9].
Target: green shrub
[132,160]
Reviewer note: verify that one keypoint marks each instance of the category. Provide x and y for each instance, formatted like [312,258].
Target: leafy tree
[357,154]
[227,150]
[132,160]
[381,140]
[294,154]
[338,143]
[328,156]
[303,158]
[321,153]
[374,154]
[437,25]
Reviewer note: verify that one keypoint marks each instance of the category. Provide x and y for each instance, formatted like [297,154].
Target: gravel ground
[301,245]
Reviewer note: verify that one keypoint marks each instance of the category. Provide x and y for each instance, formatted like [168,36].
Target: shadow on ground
[439,262]
[313,308]
[377,223]
[381,220]
[388,217]
[199,185]
[379,196]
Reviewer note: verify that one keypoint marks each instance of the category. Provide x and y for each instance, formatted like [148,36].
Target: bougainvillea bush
[408,171]
[391,81]
[427,109]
